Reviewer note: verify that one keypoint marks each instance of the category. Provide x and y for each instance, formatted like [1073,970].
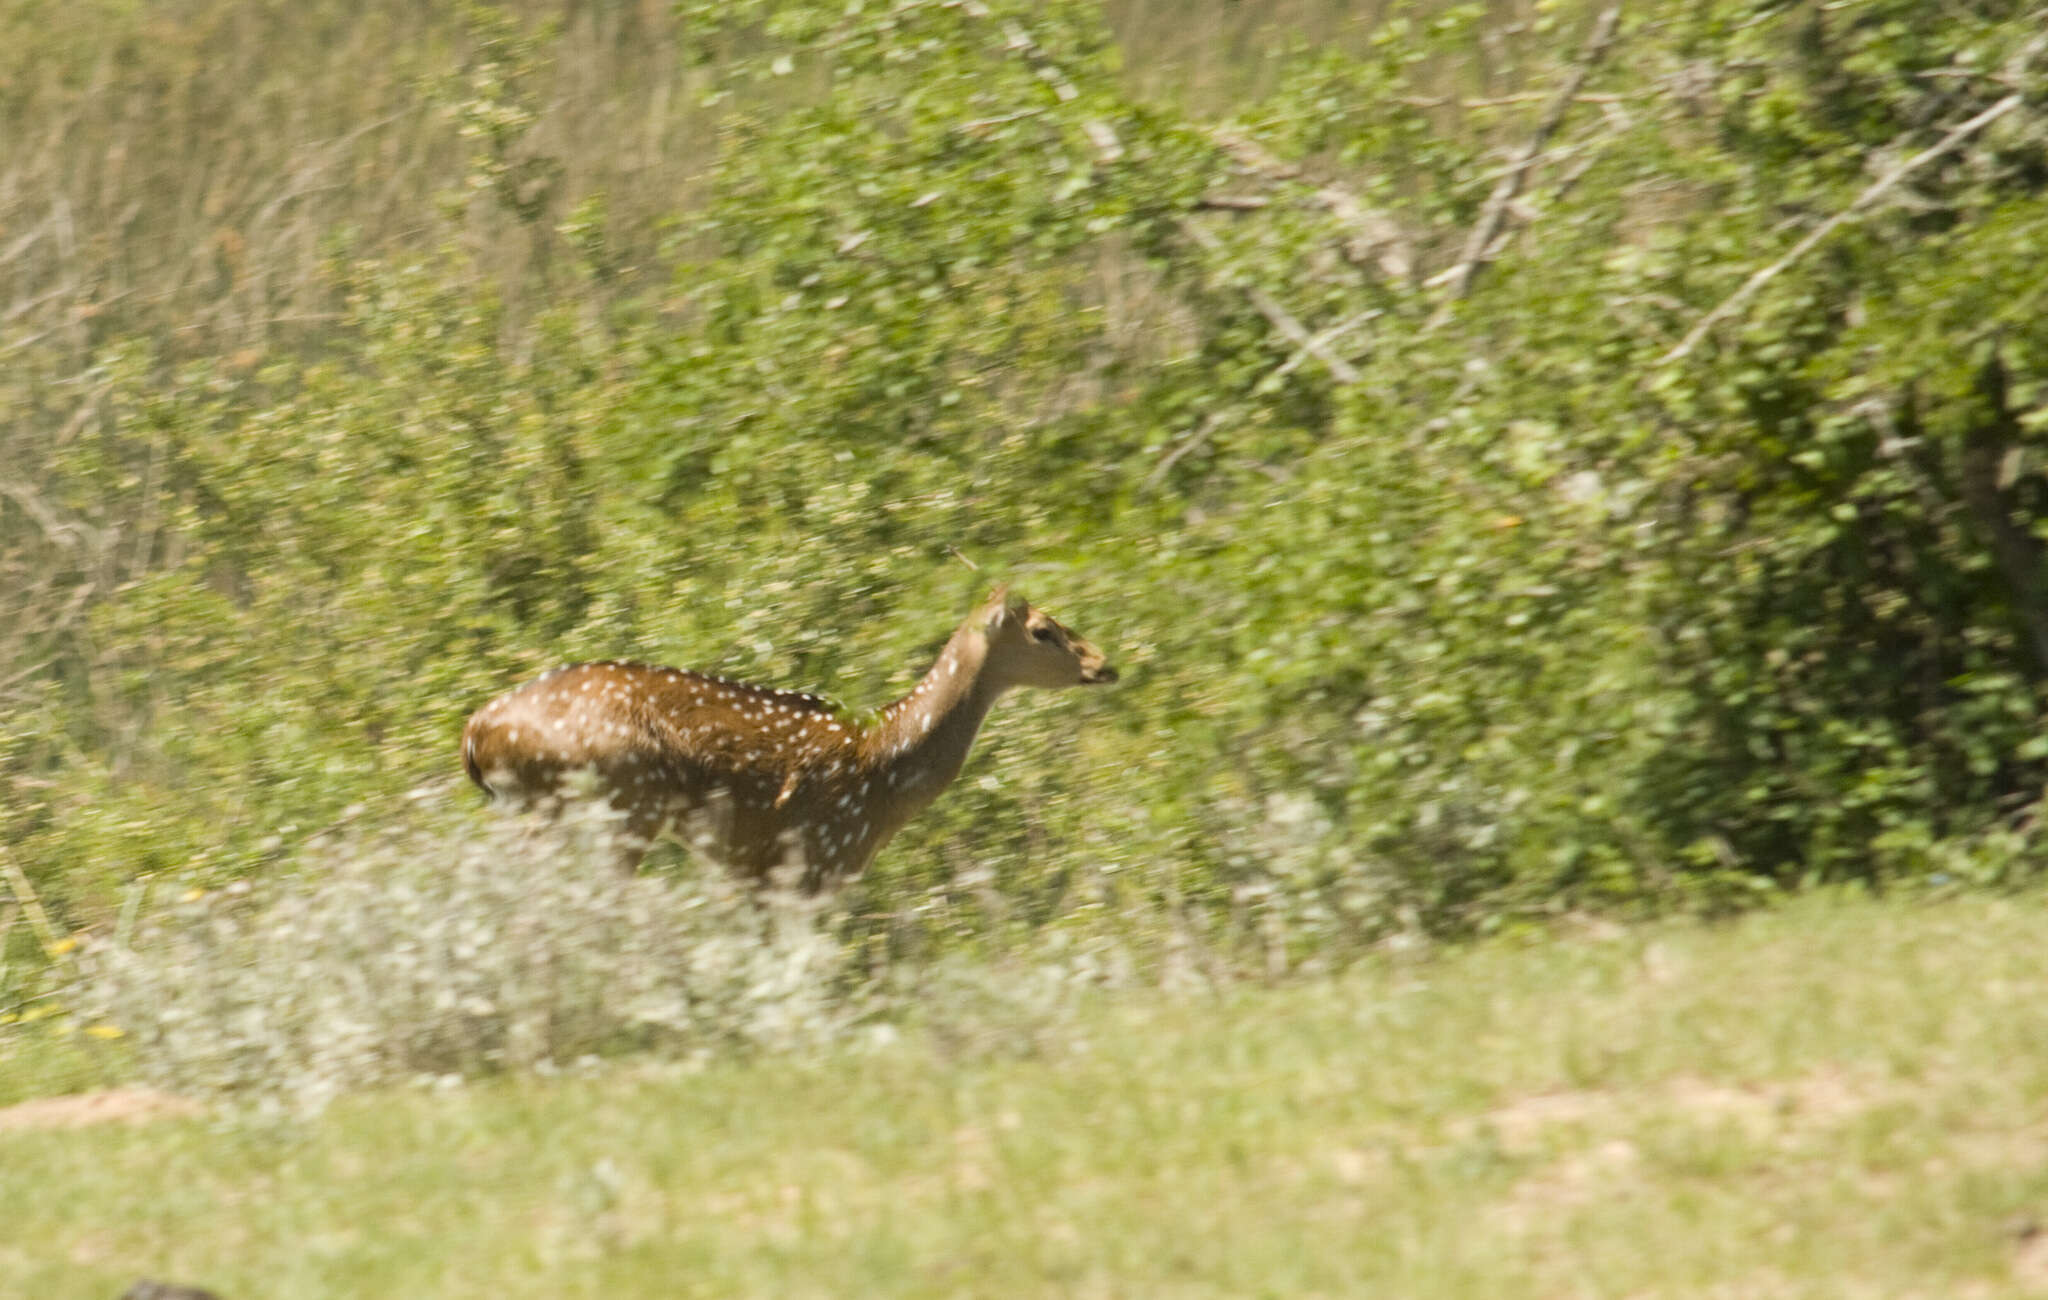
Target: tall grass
[186,170]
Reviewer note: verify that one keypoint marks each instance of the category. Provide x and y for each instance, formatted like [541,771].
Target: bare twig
[1296,333]
[979,124]
[1590,151]
[1250,155]
[1618,124]
[1200,433]
[22,306]
[28,342]
[1736,301]
[66,533]
[86,407]
[1195,438]
[1102,135]
[1324,338]
[1504,101]
[1282,320]
[24,243]
[1479,243]
[1108,148]
[1375,237]
[1491,178]
[46,930]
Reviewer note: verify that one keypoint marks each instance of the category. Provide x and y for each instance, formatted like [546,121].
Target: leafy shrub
[1657,524]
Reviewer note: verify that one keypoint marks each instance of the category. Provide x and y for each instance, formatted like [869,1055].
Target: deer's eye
[1043,632]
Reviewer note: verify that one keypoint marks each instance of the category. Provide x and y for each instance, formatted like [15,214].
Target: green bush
[1486,602]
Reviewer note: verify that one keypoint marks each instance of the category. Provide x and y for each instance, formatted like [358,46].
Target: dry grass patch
[1825,1097]
[1588,1145]
[2030,1259]
[105,1106]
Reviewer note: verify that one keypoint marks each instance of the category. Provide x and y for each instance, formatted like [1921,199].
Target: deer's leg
[644,821]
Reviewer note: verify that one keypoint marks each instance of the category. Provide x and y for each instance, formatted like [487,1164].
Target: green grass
[1841,1098]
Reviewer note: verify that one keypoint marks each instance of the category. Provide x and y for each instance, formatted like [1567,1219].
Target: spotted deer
[758,779]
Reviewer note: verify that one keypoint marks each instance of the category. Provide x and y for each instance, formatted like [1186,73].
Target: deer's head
[1028,647]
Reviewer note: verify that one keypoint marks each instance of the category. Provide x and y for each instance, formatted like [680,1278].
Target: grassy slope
[1841,1098]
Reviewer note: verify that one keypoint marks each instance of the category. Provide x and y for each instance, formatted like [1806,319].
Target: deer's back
[646,727]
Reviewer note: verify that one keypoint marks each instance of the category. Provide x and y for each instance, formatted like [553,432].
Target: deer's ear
[997,608]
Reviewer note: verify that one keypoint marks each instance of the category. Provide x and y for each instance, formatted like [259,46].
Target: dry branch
[61,532]
[1503,101]
[1210,422]
[1740,298]
[1108,148]
[46,930]
[1479,244]
[1194,439]
[1325,337]
[1282,320]
[1375,238]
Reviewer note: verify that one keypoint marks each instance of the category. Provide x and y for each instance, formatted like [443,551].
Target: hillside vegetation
[1522,458]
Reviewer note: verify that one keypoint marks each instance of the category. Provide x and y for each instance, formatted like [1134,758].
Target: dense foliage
[1360,413]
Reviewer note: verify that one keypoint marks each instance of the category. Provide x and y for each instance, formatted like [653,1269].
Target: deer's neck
[921,741]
